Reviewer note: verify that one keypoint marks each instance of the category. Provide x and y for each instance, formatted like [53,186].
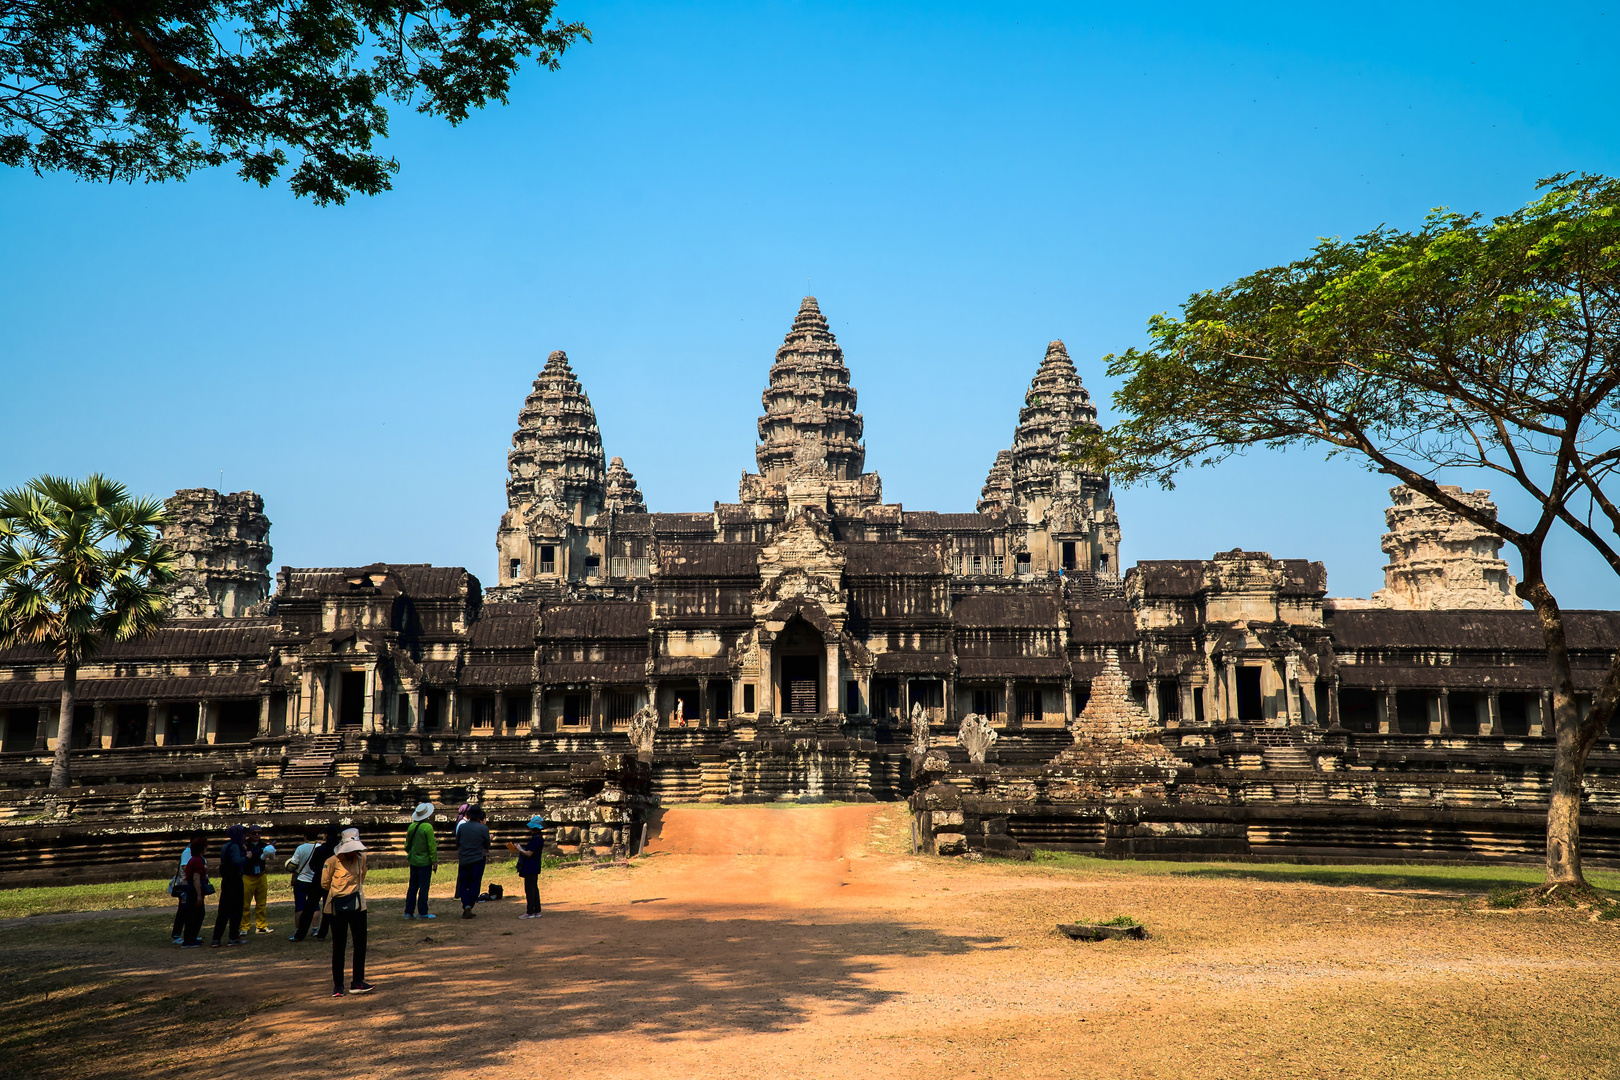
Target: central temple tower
[810,450]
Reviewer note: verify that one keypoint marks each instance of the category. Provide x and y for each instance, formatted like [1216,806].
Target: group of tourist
[328,883]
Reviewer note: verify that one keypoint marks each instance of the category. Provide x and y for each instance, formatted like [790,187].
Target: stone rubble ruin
[1439,561]
[222,549]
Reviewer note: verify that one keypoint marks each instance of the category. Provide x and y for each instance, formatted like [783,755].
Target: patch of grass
[1466,878]
[1118,920]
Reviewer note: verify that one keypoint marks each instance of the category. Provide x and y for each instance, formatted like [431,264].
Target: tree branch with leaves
[156,89]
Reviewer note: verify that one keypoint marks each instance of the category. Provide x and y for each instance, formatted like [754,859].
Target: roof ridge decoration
[809,424]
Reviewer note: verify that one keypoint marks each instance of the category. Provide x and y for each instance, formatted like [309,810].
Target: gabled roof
[595,619]
[871,558]
[1008,609]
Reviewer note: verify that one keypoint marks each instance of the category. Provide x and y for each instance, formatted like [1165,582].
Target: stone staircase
[316,759]
[1287,757]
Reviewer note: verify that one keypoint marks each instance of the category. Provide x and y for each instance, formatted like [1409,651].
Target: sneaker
[236,941]
[409,915]
[361,988]
[191,945]
[216,943]
[338,992]
[265,930]
[468,913]
[427,916]
[295,937]
[177,941]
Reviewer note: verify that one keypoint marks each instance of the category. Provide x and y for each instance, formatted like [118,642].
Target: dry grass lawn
[764,942]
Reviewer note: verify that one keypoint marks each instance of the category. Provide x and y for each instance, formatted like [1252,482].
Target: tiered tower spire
[556,437]
[1054,405]
[810,423]
[997,494]
[622,493]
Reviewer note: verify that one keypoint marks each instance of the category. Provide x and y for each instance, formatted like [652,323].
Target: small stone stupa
[1111,731]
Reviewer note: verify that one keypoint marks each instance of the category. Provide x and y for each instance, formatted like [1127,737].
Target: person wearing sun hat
[530,855]
[422,854]
[344,877]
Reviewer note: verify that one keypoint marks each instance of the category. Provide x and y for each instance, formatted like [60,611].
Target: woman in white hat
[344,877]
[422,855]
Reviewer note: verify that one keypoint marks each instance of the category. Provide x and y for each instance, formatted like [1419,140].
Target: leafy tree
[154,89]
[1465,345]
[81,563]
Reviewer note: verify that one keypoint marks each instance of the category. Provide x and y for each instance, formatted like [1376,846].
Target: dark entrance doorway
[801,685]
[1248,695]
[352,699]
[130,726]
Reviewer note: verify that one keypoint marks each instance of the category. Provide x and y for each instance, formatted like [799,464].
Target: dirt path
[772,942]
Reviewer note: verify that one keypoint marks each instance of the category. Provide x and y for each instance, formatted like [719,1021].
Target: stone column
[98,724]
[1010,701]
[704,711]
[1545,720]
[499,720]
[264,716]
[1390,722]
[1444,724]
[1185,690]
[42,732]
[537,707]
[151,723]
[368,708]
[951,711]
[1229,701]
[452,712]
[1333,702]
[202,722]
[767,682]
[421,709]
[832,704]
[1290,687]
[596,707]
[1493,714]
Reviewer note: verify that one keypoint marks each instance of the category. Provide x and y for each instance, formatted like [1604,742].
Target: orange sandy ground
[806,942]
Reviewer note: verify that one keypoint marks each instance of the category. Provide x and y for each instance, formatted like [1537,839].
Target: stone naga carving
[976,737]
[919,729]
[643,726]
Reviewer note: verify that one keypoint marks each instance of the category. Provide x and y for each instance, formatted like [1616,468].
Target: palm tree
[81,564]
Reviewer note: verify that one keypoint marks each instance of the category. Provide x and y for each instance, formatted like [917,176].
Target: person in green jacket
[422,853]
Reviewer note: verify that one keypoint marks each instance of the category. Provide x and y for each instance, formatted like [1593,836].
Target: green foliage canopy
[80,563]
[154,89]
[1466,343]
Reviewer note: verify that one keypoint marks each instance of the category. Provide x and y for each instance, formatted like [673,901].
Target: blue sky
[958,184]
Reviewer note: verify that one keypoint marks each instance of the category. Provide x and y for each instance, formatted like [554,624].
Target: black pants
[312,903]
[194,921]
[531,892]
[180,910]
[230,908]
[469,882]
[341,926]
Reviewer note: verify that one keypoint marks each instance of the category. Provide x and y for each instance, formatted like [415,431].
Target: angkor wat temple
[811,641]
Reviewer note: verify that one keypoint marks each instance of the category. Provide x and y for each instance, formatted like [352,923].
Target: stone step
[1287,757]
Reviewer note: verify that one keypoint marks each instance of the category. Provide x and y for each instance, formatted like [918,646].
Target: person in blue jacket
[530,854]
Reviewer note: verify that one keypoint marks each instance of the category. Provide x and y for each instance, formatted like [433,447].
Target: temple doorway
[803,661]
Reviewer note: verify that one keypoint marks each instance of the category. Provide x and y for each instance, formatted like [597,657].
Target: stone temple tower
[1068,514]
[556,477]
[809,450]
[222,547]
[1440,561]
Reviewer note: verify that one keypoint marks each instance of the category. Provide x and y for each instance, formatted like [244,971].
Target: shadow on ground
[452,997]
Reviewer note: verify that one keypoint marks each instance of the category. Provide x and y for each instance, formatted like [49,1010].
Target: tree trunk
[64,726]
[1569,757]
